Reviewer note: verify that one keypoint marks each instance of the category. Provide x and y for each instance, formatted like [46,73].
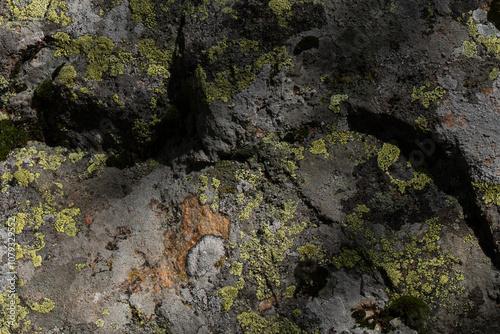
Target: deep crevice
[445,162]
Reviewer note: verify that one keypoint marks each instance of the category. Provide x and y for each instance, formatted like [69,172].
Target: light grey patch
[201,258]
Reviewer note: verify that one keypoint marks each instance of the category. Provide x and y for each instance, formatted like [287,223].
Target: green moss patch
[11,137]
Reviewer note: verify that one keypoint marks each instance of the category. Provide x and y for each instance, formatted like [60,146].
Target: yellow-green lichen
[143,11]
[335,101]
[388,155]
[263,254]
[319,147]
[67,76]
[228,295]
[159,61]
[491,192]
[426,96]
[66,221]
[494,73]
[45,307]
[54,11]
[253,323]
[236,268]
[99,53]
[417,267]
[76,156]
[422,124]
[99,323]
[470,49]
[217,49]
[245,213]
[118,101]
[12,313]
[248,45]
[310,252]
[80,266]
[30,251]
[96,161]
[283,10]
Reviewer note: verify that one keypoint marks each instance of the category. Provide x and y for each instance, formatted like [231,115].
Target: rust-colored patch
[451,121]
[196,222]
[487,90]
[267,303]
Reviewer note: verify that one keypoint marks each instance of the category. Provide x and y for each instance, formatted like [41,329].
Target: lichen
[80,266]
[417,267]
[282,10]
[470,49]
[426,96]
[143,11]
[12,313]
[228,295]
[335,101]
[253,323]
[45,307]
[422,124]
[159,61]
[310,252]
[319,147]
[388,155]
[99,323]
[494,73]
[118,101]
[491,192]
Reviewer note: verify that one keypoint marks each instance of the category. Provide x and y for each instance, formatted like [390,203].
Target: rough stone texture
[294,166]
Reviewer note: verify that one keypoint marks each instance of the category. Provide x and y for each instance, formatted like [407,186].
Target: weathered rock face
[297,166]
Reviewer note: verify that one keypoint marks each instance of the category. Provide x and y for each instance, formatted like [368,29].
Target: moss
[426,96]
[45,307]
[143,11]
[310,252]
[306,43]
[414,312]
[11,137]
[319,147]
[335,101]
[228,295]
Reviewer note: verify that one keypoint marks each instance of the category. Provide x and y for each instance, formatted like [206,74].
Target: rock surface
[229,166]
